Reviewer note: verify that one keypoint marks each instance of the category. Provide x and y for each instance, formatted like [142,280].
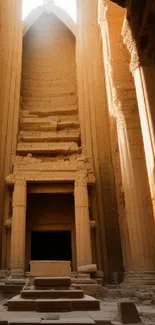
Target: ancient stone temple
[77,140]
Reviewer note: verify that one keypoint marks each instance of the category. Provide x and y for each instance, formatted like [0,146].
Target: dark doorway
[51,246]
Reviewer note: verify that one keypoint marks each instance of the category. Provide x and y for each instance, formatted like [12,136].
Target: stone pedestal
[50,268]
[18,228]
[82,223]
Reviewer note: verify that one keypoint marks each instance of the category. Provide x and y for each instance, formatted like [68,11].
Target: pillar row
[138,238]
[82,224]
[18,228]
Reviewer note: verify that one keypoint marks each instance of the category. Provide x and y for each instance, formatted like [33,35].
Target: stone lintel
[66,171]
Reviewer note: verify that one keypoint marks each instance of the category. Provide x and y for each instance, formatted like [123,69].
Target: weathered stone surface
[127,312]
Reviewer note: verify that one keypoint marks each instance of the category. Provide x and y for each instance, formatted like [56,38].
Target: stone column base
[139,278]
[17,274]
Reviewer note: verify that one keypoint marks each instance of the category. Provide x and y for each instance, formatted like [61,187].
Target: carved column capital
[20,182]
[81,180]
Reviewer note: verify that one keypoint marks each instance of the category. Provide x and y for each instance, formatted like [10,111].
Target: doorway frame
[55,227]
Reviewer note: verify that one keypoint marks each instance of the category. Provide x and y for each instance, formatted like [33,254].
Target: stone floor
[107,312]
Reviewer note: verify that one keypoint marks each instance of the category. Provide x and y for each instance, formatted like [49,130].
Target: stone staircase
[52,295]
[54,130]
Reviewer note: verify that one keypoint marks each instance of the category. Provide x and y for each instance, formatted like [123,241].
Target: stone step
[27,115]
[83,281]
[19,304]
[43,108]
[37,123]
[83,276]
[63,321]
[52,281]
[47,124]
[59,305]
[68,124]
[70,321]
[59,136]
[88,289]
[53,305]
[69,111]
[11,288]
[51,294]
[48,148]
[64,288]
[15,281]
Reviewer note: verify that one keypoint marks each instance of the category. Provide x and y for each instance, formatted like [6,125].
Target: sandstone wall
[49,91]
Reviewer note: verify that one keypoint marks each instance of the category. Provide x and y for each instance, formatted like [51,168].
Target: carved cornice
[130,43]
[137,59]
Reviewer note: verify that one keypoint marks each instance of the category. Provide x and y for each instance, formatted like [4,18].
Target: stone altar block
[50,268]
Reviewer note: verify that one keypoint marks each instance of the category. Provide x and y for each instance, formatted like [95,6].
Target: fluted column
[95,136]
[82,224]
[10,76]
[144,77]
[138,238]
[18,228]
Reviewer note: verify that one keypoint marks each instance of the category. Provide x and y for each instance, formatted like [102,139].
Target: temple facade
[77,139]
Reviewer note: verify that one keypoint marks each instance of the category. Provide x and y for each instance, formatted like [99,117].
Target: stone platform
[50,268]
[48,296]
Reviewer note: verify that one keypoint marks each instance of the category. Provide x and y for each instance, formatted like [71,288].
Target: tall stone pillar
[82,224]
[18,228]
[138,238]
[10,72]
[95,136]
[144,77]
